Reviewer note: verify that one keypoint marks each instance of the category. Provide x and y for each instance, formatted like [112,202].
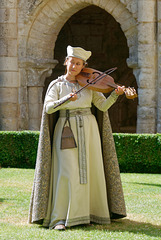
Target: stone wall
[9,76]
[158,85]
[28,31]
[147,62]
[95,29]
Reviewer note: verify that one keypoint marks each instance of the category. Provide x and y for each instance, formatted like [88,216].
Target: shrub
[18,148]
[137,153]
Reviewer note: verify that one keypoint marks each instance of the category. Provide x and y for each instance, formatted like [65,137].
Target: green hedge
[18,149]
[139,153]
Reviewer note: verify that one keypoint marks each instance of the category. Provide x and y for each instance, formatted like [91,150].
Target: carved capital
[132,63]
[38,70]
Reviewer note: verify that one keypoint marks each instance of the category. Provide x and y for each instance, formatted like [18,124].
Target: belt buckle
[78,112]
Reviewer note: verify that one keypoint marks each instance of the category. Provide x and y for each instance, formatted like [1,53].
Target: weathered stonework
[28,33]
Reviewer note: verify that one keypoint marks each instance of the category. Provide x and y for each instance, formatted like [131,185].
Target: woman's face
[74,66]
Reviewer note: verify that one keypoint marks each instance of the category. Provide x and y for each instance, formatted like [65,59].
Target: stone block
[159,31]
[131,32]
[45,19]
[146,113]
[22,95]
[8,15]
[132,6]
[34,110]
[8,110]
[23,116]
[9,79]
[39,52]
[95,2]
[53,8]
[34,124]
[159,114]
[145,126]
[63,4]
[147,78]
[23,77]
[8,95]
[147,97]
[35,95]
[41,40]
[8,64]
[109,5]
[146,120]
[118,10]
[159,98]
[159,76]
[8,47]
[8,124]
[132,40]
[159,10]
[127,23]
[158,127]
[147,55]
[8,30]
[159,41]
[146,11]
[40,27]
[146,33]
[8,4]
[50,10]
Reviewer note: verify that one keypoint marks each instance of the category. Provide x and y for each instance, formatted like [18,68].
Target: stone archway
[96,30]
[44,22]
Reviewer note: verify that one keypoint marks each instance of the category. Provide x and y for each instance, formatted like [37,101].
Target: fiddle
[99,81]
[102,82]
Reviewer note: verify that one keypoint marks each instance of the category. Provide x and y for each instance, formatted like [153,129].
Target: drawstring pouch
[67,137]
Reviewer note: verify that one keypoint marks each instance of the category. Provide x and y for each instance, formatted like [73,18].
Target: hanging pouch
[67,137]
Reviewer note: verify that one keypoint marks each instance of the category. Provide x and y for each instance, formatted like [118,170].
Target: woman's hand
[120,90]
[74,97]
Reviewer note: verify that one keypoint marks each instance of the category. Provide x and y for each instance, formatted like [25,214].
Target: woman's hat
[78,53]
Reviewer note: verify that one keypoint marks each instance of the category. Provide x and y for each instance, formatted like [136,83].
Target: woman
[74,182]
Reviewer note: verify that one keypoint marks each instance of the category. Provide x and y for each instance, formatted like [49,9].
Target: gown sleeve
[103,103]
[52,99]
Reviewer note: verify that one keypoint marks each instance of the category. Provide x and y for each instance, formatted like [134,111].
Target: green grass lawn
[142,196]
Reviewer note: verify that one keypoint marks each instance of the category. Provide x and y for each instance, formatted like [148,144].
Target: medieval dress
[82,184]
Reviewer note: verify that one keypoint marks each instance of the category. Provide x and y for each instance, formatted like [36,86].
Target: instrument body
[99,81]
[103,85]
[102,82]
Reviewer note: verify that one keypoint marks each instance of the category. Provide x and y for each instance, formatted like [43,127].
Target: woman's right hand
[74,97]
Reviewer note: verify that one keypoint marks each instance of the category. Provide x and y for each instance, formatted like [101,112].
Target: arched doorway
[94,29]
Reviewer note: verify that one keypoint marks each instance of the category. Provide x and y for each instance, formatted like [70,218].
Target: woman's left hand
[120,90]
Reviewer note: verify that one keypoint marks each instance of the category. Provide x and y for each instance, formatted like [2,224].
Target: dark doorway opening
[96,30]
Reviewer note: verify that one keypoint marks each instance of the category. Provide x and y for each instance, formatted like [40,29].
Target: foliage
[18,148]
[139,153]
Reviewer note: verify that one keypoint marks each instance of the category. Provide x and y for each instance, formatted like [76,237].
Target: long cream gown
[71,202]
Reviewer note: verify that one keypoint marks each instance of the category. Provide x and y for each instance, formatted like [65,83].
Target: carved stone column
[9,79]
[159,66]
[33,74]
[146,122]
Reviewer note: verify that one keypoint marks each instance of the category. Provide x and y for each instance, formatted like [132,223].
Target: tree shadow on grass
[125,225]
[148,184]
[2,200]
